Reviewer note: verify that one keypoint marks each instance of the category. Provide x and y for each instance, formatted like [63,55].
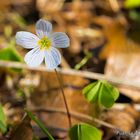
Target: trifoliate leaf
[101,92]
[84,131]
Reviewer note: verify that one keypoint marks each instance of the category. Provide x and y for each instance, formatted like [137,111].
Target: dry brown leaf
[75,47]
[126,67]
[125,119]
[23,131]
[117,40]
[47,6]
[131,93]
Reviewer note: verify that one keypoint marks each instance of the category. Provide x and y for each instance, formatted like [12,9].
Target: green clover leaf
[84,131]
[101,92]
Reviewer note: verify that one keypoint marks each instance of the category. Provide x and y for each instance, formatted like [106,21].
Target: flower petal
[26,39]
[43,28]
[34,57]
[52,58]
[60,40]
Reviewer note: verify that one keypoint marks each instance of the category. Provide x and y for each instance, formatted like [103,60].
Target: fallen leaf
[117,39]
[125,67]
[23,131]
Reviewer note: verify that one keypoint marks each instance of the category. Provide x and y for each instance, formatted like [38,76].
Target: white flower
[43,45]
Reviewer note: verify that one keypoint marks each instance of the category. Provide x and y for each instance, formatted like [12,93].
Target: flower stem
[64,97]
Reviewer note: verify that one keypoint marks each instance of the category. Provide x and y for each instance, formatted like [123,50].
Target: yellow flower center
[44,43]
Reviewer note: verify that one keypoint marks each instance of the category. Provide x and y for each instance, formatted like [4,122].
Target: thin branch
[85,74]
[74,114]
[121,106]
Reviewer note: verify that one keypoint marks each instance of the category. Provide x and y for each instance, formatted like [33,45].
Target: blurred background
[104,40]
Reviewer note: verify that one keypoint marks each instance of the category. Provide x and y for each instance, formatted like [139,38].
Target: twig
[64,97]
[74,114]
[121,106]
[85,74]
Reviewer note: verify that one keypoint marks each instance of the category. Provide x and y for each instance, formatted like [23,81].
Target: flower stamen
[44,43]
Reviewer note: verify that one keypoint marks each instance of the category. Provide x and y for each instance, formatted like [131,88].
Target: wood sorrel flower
[43,45]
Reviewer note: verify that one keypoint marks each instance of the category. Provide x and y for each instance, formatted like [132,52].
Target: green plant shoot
[3,124]
[40,124]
